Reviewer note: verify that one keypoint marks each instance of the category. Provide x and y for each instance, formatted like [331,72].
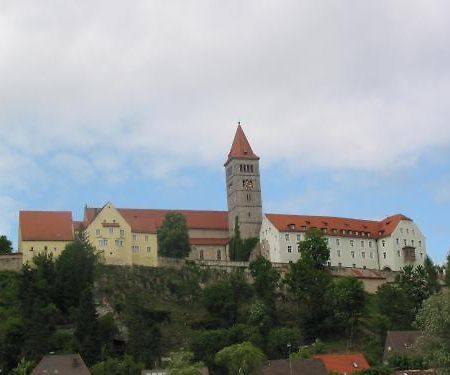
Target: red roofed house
[344,364]
[44,231]
[128,236]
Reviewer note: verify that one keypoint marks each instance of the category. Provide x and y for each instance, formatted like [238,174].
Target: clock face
[248,185]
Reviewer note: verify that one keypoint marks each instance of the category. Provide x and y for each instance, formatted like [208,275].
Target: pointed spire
[241,148]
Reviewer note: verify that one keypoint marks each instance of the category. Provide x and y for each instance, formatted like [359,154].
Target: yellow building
[44,232]
[122,236]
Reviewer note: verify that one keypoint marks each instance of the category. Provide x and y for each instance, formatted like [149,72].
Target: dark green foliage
[378,370]
[347,298]
[308,281]
[223,298]
[75,272]
[242,358]
[240,249]
[431,276]
[118,366]
[393,304]
[173,237]
[407,362]
[283,341]
[144,333]
[182,364]
[205,344]
[447,271]
[5,245]
[314,249]
[266,279]
[260,317]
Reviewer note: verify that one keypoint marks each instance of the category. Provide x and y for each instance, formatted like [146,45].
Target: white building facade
[389,244]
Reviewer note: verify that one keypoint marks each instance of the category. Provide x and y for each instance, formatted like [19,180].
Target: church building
[128,236]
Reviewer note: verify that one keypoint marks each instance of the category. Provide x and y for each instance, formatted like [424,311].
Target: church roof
[46,225]
[241,148]
[149,220]
[337,225]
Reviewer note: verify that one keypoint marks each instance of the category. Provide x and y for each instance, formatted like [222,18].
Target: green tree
[87,328]
[221,302]
[266,279]
[24,367]
[282,341]
[118,366]
[434,321]
[394,305]
[236,244]
[173,237]
[314,249]
[5,245]
[240,358]
[348,299]
[144,332]
[75,272]
[431,273]
[447,271]
[308,281]
[182,364]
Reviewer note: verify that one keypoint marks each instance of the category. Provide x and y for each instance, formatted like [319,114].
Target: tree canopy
[173,236]
[240,358]
[5,245]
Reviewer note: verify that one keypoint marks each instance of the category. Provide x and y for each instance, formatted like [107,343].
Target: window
[111,230]
[401,230]
[337,241]
[219,255]
[363,254]
[122,233]
[298,248]
[421,255]
[97,232]
[286,236]
[135,248]
[103,242]
[119,243]
[370,243]
[351,242]
[329,264]
[384,255]
[356,233]
[362,243]
[404,241]
[248,198]
[412,242]
[343,231]
[299,237]
[32,248]
[339,264]
[383,243]
[201,254]
[352,253]
[339,253]
[371,255]
[407,231]
[398,252]
[149,249]
[146,238]
[134,237]
[398,241]
[289,249]
[350,232]
[45,248]
[420,243]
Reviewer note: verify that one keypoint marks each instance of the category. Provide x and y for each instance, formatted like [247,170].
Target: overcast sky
[346,102]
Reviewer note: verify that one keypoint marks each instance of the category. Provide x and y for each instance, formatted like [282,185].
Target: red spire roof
[240,148]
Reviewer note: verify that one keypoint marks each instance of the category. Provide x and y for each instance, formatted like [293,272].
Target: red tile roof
[241,147]
[344,363]
[64,364]
[149,220]
[209,241]
[377,229]
[46,225]
[78,225]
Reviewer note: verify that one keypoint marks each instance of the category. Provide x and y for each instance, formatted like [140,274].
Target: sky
[136,102]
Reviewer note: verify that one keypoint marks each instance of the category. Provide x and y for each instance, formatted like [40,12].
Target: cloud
[159,86]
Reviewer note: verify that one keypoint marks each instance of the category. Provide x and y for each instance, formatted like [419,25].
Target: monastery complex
[128,236]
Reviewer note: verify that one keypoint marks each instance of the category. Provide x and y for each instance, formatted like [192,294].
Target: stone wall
[11,262]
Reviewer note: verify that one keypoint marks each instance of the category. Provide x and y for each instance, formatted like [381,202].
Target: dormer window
[291,226]
[303,227]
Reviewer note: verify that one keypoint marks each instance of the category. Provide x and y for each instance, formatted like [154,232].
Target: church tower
[243,187]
